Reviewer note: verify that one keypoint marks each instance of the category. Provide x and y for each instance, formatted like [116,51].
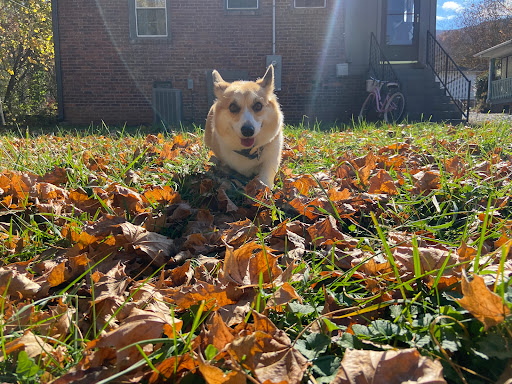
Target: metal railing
[380,67]
[451,77]
[501,90]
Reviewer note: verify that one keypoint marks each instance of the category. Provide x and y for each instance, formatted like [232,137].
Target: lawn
[382,255]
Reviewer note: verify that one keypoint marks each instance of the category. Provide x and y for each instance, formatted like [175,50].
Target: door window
[400,22]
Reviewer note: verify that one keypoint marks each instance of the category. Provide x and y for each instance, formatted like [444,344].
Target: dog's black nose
[247,130]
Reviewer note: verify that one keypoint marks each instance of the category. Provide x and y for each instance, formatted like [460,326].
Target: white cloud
[452,6]
[443,18]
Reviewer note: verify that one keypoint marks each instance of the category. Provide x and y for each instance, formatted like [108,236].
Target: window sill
[241,12]
[150,40]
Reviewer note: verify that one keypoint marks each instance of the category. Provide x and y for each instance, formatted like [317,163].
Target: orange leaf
[382,182]
[483,304]
[325,232]
[244,265]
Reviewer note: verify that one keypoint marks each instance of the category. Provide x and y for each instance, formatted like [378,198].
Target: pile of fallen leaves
[385,266]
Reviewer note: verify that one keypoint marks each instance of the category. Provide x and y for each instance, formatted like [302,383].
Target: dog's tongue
[247,142]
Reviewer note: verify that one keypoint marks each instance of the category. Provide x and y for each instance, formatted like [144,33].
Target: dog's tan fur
[223,131]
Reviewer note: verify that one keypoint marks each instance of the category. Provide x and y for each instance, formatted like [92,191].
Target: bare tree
[482,24]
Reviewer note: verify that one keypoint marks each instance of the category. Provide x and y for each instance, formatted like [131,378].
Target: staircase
[437,91]
[425,99]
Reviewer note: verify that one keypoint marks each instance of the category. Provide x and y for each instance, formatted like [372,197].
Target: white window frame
[243,9]
[295,5]
[137,21]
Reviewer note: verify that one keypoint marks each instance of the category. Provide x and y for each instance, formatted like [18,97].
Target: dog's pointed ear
[219,85]
[267,81]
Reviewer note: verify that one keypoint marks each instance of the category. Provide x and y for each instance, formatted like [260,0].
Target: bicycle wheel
[394,108]
[369,109]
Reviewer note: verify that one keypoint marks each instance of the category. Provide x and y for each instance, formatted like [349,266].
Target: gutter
[274,27]
[58,68]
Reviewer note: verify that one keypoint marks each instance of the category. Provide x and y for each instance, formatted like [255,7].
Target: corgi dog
[244,127]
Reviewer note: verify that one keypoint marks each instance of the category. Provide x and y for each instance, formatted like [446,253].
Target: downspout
[58,69]
[489,81]
[274,27]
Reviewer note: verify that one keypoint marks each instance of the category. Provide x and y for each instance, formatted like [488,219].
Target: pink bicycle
[391,108]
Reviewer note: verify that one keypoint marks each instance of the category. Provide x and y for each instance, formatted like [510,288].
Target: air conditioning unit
[167,104]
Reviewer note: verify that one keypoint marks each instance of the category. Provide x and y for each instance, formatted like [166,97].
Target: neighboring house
[139,61]
[499,93]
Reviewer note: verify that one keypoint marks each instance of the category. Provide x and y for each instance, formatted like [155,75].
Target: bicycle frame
[380,104]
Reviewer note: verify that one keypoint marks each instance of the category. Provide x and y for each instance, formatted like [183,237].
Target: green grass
[343,303]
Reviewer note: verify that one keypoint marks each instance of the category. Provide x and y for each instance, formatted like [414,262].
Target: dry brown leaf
[162,195]
[325,232]
[244,265]
[426,182]
[14,281]
[302,183]
[282,296]
[482,303]
[173,368]
[218,333]
[32,344]
[225,203]
[215,295]
[158,247]
[240,232]
[214,375]
[388,367]
[139,326]
[268,353]
[382,182]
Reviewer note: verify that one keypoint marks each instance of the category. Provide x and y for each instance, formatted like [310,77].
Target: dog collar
[251,156]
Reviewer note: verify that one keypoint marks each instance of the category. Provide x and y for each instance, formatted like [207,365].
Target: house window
[508,73]
[151,18]
[498,67]
[241,4]
[309,3]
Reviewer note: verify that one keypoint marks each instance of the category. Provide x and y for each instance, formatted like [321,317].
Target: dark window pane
[242,4]
[309,3]
[151,22]
[400,22]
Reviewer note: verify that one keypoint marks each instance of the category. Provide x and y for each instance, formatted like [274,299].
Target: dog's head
[247,114]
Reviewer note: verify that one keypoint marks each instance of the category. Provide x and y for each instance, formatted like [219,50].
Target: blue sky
[447,12]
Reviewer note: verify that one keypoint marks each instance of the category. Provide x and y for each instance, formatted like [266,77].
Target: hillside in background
[462,44]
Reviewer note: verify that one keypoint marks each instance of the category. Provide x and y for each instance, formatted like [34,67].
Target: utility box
[167,103]
[277,62]
[342,69]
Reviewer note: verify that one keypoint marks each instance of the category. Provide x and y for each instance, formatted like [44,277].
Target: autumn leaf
[32,344]
[426,182]
[12,281]
[382,182]
[215,375]
[214,295]
[268,353]
[325,232]
[388,367]
[244,265]
[240,232]
[139,326]
[158,247]
[483,304]
[173,367]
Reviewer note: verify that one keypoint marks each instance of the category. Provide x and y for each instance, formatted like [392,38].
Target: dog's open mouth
[247,142]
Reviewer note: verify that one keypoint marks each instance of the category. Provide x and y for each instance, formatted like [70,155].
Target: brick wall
[107,76]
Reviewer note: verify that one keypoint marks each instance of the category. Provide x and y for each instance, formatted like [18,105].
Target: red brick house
[119,61]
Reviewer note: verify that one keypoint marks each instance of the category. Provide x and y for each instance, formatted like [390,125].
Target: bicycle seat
[392,85]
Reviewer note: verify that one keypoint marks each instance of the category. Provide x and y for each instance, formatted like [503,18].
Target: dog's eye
[257,107]
[233,108]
